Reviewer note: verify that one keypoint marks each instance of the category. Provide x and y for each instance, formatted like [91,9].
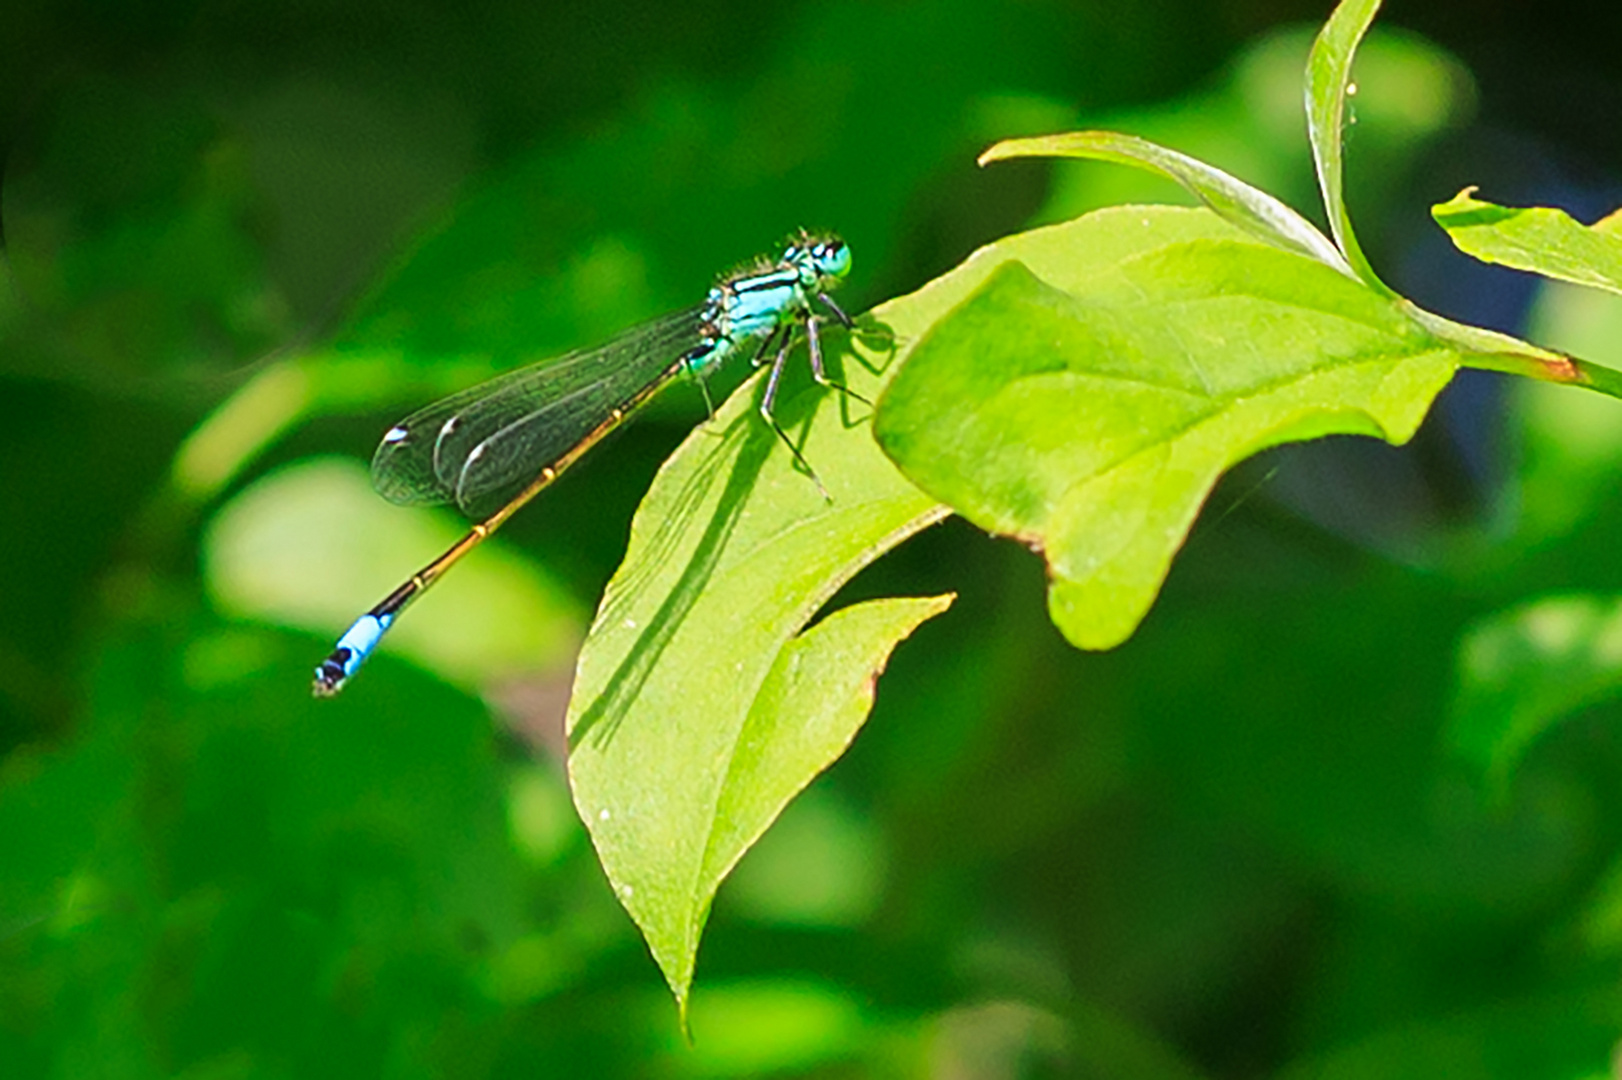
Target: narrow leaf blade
[1251,209]
[1329,85]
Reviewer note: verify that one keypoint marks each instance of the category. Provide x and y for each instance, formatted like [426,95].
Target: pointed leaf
[1541,239]
[683,674]
[1089,394]
[666,844]
[812,704]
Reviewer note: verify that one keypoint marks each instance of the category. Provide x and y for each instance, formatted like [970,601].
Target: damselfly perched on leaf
[492,448]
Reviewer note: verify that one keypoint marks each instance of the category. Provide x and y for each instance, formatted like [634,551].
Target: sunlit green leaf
[1542,239]
[1088,395]
[817,695]
[690,726]
[672,810]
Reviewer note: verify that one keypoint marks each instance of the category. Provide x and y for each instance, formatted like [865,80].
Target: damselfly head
[831,257]
[821,261]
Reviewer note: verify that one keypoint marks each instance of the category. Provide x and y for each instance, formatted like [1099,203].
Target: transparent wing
[495,437]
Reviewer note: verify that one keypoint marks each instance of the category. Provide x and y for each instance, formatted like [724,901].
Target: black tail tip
[329,678]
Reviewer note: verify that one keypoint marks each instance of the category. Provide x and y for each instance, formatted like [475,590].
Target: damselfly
[492,448]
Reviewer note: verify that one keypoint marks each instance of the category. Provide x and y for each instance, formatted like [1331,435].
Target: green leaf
[674,803]
[697,713]
[1329,85]
[1251,209]
[1541,239]
[1087,396]
[818,694]
[1522,671]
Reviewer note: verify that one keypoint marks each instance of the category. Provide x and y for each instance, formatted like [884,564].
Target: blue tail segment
[492,448]
[352,650]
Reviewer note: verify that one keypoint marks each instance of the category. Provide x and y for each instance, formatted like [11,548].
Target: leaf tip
[684,1019]
[1033,542]
[999,151]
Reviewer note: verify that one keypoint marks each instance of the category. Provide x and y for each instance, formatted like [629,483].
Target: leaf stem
[1569,370]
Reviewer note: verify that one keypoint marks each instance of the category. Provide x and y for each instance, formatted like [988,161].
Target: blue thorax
[750,304]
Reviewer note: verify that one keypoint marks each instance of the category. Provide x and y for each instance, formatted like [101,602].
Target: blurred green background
[242,239]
